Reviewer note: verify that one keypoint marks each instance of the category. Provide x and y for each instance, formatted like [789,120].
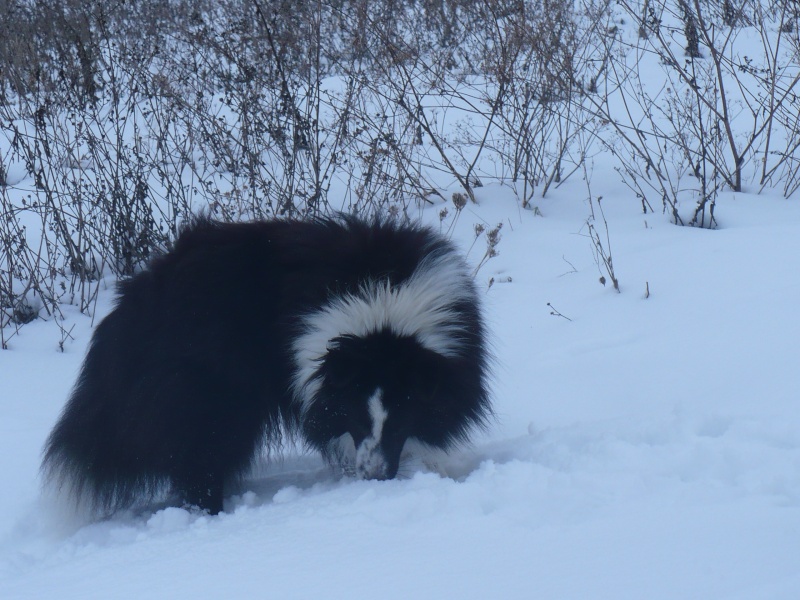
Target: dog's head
[377,391]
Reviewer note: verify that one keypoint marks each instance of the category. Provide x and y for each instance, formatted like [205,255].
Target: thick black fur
[191,374]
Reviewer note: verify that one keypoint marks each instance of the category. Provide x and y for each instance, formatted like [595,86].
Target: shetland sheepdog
[355,336]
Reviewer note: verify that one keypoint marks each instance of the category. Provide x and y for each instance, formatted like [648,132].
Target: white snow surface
[649,447]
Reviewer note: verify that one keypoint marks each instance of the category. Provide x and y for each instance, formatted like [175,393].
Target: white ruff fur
[419,307]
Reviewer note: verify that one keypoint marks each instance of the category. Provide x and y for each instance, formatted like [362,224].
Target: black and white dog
[357,335]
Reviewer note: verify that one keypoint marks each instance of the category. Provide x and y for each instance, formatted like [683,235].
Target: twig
[556,313]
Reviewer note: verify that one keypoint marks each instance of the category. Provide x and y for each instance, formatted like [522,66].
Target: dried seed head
[459,200]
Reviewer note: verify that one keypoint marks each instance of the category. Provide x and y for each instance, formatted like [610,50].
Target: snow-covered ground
[648,447]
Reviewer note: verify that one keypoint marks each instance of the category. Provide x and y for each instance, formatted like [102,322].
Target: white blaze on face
[370,462]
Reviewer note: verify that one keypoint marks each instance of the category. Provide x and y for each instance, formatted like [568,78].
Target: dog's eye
[341,379]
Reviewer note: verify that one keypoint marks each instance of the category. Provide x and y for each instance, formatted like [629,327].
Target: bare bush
[118,120]
[713,112]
